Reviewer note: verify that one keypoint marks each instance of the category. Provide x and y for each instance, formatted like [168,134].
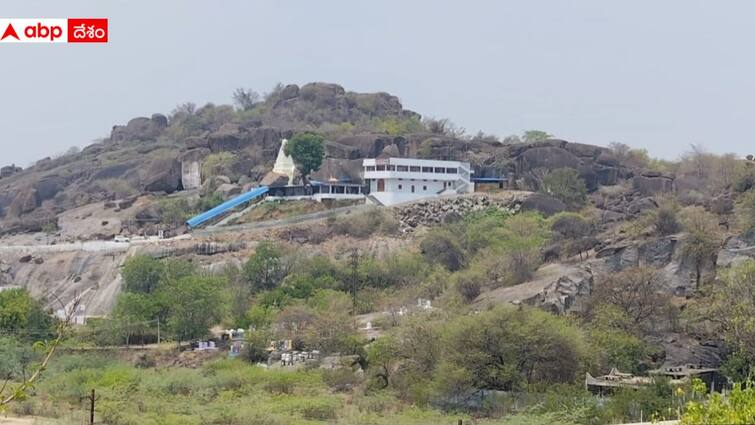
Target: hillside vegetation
[491,308]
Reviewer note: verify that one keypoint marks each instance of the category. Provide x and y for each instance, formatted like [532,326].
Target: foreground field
[219,392]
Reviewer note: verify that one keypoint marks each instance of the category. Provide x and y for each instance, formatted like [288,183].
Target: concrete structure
[396,180]
[675,376]
[191,174]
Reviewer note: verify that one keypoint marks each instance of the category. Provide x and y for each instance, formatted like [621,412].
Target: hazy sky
[652,74]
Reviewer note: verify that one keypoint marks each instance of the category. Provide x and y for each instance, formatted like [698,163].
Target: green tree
[522,237]
[14,358]
[22,315]
[307,151]
[134,315]
[702,238]
[728,310]
[260,316]
[263,270]
[736,408]
[570,226]
[257,342]
[196,304]
[15,306]
[381,356]
[11,392]
[142,274]
[174,211]
[441,247]
[611,344]
[533,136]
[566,185]
[507,349]
[665,219]
[746,211]
[176,269]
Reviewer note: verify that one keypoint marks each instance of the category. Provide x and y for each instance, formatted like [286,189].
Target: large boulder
[449,148]
[528,163]
[678,271]
[9,170]
[162,175]
[679,349]
[606,175]
[233,138]
[555,287]
[340,169]
[543,203]
[34,221]
[228,190]
[49,186]
[197,142]
[114,171]
[321,93]
[227,139]
[651,183]
[585,151]
[140,128]
[640,205]
[289,92]
[268,139]
[534,164]
[24,202]
[341,151]
[371,145]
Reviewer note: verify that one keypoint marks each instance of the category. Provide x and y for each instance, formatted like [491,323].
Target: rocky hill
[165,155]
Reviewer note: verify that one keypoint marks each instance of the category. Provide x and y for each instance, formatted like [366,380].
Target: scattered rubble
[445,210]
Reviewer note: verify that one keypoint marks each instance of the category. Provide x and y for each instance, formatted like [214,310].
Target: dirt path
[26,421]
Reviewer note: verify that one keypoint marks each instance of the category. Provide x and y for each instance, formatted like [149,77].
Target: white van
[121,239]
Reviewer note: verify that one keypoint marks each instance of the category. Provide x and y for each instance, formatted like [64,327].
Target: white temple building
[397,180]
[284,164]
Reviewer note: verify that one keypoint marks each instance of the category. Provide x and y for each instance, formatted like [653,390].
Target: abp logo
[44,30]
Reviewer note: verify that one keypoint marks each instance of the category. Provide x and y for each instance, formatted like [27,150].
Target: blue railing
[226,206]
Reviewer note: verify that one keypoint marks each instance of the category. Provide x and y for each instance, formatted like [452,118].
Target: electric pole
[354,278]
[92,399]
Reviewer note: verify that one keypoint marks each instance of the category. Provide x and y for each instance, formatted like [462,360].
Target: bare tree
[636,292]
[511,140]
[621,150]
[445,127]
[245,99]
[485,138]
[188,108]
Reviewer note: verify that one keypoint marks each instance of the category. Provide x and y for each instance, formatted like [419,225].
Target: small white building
[396,180]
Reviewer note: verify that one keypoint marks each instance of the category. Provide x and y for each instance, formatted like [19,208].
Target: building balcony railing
[414,175]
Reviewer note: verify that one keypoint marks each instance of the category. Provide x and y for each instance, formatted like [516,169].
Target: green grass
[275,210]
[228,392]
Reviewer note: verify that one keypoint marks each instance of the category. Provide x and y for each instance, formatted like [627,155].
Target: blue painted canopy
[226,206]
